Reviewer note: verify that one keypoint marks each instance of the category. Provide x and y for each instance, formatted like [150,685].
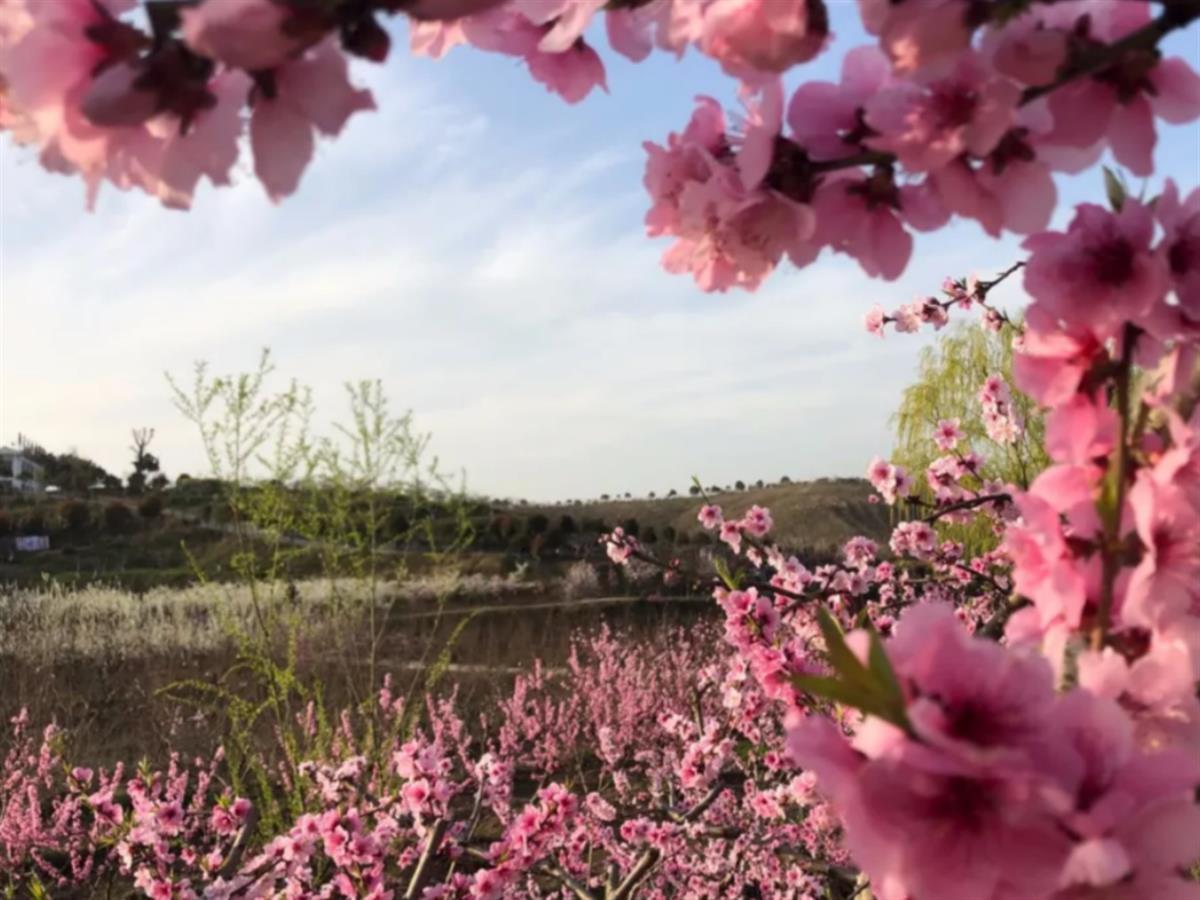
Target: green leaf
[724,573]
[889,685]
[1115,188]
[834,689]
[856,696]
[841,657]
[874,688]
[744,749]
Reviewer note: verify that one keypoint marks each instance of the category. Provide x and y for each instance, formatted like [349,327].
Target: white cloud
[497,280]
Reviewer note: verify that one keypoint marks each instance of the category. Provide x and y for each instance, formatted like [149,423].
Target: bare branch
[422,872]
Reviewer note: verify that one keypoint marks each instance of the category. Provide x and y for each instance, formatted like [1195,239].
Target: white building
[18,472]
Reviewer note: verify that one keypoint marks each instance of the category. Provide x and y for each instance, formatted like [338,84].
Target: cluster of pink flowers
[619,770]
[1000,418]
[987,782]
[957,293]
[962,108]
[162,102]
[1103,644]
[1106,272]
[99,97]
[957,113]
[167,832]
[748,39]
[1106,537]
[1060,761]
[890,480]
[754,523]
[957,481]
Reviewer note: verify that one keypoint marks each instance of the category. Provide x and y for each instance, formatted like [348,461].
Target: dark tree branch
[422,872]
[1176,14]
[961,505]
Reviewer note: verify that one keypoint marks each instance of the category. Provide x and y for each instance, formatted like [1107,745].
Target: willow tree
[949,377]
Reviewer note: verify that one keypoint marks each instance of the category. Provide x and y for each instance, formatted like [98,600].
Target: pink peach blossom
[861,218]
[313,94]
[95,117]
[918,34]
[764,121]
[115,100]
[710,516]
[1088,112]
[729,238]
[435,38]
[209,148]
[874,320]
[755,37]
[571,73]
[244,34]
[1026,49]
[1081,431]
[922,817]
[634,31]
[563,22]
[1046,568]
[687,157]
[757,521]
[1101,271]
[948,433]
[47,62]
[1163,586]
[826,118]
[1180,245]
[1130,810]
[1017,194]
[927,125]
[731,533]
[1051,362]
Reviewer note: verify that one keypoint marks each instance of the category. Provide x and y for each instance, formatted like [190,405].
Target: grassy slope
[820,513]
[816,515]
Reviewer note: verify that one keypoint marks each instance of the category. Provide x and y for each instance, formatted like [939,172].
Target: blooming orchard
[663,798]
[1019,725]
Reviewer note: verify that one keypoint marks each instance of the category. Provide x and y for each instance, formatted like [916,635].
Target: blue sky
[478,245]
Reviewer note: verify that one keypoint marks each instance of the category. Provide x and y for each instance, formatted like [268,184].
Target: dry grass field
[101,662]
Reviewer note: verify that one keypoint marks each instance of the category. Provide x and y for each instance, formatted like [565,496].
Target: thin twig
[422,872]
[1177,14]
[234,859]
[970,503]
[1120,473]
[646,862]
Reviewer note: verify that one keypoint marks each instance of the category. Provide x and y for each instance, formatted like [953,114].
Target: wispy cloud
[491,269]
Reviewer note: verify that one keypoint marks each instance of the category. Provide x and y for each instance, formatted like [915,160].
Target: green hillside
[819,514]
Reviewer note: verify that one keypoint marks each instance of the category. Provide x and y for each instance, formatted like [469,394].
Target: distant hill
[820,514]
[811,515]
[158,538]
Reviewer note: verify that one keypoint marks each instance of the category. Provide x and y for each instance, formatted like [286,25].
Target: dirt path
[542,605]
